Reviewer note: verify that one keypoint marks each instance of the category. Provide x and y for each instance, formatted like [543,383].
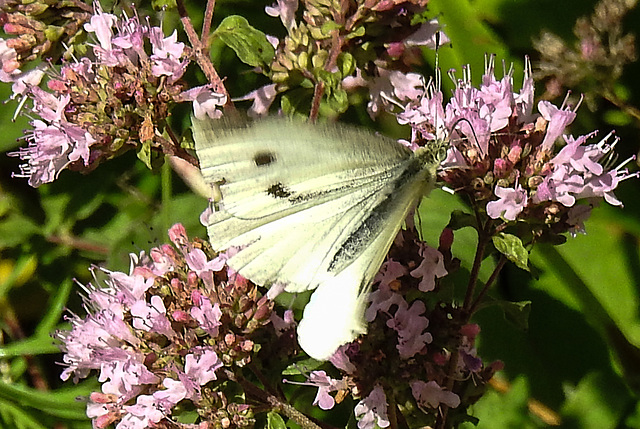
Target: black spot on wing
[264,158]
[278,190]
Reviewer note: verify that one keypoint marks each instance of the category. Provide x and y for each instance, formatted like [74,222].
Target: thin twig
[15,331]
[267,398]
[487,286]
[199,53]
[318,92]
[475,269]
[208,20]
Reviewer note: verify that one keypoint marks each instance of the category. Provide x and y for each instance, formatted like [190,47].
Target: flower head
[508,158]
[114,99]
[160,334]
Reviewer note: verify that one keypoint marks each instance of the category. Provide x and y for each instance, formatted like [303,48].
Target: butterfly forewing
[324,181]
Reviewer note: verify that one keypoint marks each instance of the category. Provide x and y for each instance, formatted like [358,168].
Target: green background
[577,362]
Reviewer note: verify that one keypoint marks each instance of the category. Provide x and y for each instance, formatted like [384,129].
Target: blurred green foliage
[578,362]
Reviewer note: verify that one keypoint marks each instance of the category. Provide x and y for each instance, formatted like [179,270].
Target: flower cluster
[341,46]
[504,157]
[39,29]
[595,63]
[161,337]
[114,99]
[412,339]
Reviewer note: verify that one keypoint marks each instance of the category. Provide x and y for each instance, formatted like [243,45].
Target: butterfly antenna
[438,77]
[472,131]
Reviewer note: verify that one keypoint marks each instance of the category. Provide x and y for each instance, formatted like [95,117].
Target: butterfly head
[433,153]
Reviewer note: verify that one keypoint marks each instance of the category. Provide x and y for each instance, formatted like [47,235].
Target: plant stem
[199,49]
[490,282]
[275,403]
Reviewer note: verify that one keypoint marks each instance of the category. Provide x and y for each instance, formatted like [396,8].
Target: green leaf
[471,38]
[597,402]
[275,421]
[17,417]
[460,219]
[250,45]
[21,271]
[62,403]
[356,32]
[143,151]
[511,247]
[515,312]
[497,410]
[296,102]
[346,64]
[302,367]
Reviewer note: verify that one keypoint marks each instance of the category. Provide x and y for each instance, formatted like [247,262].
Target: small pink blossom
[152,317]
[206,102]
[371,412]
[262,98]
[173,393]
[410,325]
[559,119]
[340,360]
[286,10]
[325,385]
[510,204]
[432,395]
[382,299]
[201,366]
[143,414]
[207,315]
[430,269]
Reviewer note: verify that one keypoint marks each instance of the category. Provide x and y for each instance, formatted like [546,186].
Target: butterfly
[312,206]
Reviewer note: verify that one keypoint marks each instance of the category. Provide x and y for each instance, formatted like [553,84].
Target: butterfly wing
[335,312]
[309,205]
[292,191]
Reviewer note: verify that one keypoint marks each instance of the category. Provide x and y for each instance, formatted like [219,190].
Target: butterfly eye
[442,153]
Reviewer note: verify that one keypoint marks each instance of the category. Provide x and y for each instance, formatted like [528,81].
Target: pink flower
[410,325]
[262,98]
[166,55]
[125,377]
[510,203]
[206,102]
[286,10]
[325,385]
[577,172]
[341,361]
[207,315]
[139,416]
[431,267]
[152,317]
[371,412]
[432,395]
[381,301]
[173,393]
[201,366]
[558,118]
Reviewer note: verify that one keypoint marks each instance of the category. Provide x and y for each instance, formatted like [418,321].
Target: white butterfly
[313,207]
